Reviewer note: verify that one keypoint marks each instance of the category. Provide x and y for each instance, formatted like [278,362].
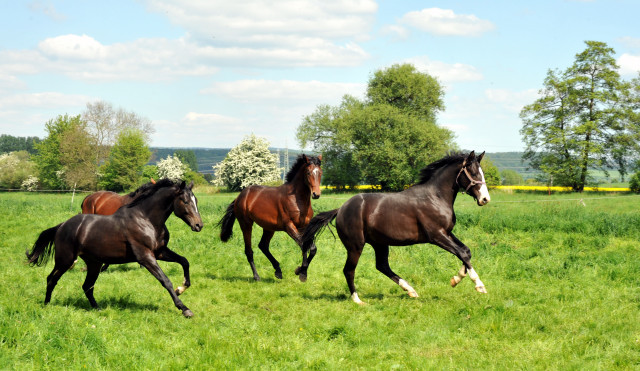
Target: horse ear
[469,158]
[320,157]
[304,157]
[190,185]
[480,156]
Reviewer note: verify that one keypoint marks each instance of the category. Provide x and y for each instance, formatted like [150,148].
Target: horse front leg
[149,261]
[452,244]
[300,271]
[171,256]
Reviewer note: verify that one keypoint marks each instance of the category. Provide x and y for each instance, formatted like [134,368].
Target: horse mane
[143,188]
[150,189]
[300,162]
[451,158]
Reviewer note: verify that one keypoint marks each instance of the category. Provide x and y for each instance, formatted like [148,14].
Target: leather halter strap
[472,181]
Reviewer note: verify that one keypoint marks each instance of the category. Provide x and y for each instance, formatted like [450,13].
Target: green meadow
[562,272]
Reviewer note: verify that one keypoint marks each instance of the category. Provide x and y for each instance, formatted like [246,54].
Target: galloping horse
[420,214]
[107,203]
[284,208]
[135,233]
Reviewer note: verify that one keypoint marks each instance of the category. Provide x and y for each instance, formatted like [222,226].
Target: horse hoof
[279,275]
[481,289]
[180,290]
[413,294]
[454,283]
[303,277]
[298,271]
[187,313]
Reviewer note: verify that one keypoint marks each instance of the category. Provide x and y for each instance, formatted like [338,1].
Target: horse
[134,233]
[284,208]
[422,213]
[107,203]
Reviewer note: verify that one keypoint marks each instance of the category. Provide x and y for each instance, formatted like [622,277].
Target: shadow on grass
[120,303]
[239,279]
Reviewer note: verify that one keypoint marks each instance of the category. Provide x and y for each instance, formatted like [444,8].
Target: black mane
[430,170]
[298,164]
[143,188]
[150,189]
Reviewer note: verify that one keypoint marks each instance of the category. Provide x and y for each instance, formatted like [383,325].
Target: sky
[207,73]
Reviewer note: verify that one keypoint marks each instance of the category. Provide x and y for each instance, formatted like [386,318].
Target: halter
[472,181]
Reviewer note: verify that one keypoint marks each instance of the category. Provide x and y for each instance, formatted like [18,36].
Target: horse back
[103,203]
[272,207]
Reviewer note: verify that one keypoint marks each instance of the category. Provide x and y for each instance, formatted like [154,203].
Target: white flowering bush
[30,184]
[250,162]
[15,167]
[171,168]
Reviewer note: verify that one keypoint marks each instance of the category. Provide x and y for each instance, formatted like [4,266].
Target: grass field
[562,271]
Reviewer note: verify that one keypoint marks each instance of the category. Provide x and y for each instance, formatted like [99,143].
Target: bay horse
[422,213]
[107,202]
[284,208]
[134,233]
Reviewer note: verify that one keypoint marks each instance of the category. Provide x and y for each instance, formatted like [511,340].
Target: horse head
[185,206]
[313,175]
[471,179]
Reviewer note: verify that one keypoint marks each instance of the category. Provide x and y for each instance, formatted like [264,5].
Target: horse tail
[227,222]
[315,226]
[43,248]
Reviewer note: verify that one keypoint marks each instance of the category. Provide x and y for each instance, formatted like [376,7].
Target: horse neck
[443,183]
[159,206]
[299,187]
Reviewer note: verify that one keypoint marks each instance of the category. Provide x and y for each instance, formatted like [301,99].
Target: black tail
[317,224]
[227,223]
[43,248]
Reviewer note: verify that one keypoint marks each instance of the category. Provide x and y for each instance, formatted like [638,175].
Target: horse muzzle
[483,201]
[196,227]
[315,196]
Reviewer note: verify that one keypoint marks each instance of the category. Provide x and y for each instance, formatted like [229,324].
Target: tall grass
[562,274]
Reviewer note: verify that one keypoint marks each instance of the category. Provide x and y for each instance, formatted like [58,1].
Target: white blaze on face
[484,191]
[195,204]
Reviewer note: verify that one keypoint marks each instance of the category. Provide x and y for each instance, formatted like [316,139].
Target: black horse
[135,233]
[422,213]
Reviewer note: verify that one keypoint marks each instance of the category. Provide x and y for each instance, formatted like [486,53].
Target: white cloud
[395,31]
[292,92]
[446,22]
[631,42]
[629,64]
[43,100]
[511,101]
[446,72]
[47,9]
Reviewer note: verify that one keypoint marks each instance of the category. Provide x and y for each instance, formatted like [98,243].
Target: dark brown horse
[107,203]
[284,208]
[422,213]
[135,233]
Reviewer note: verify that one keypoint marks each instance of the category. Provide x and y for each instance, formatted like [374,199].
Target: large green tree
[127,158]
[586,118]
[49,159]
[385,139]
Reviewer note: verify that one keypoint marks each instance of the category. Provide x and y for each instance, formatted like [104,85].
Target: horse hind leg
[382,264]
[248,251]
[63,262]
[93,271]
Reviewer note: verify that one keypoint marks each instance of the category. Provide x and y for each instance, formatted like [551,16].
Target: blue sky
[209,72]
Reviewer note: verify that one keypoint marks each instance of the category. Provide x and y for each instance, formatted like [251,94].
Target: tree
[387,138]
[126,160]
[491,172]
[105,123]
[76,149]
[511,177]
[187,157]
[10,143]
[586,119]
[248,163]
[49,157]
